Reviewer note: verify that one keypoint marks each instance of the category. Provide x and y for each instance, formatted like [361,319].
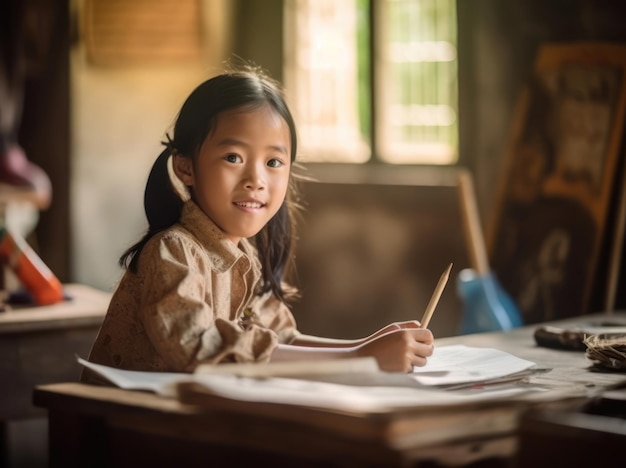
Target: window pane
[416,69]
[326,84]
[328,60]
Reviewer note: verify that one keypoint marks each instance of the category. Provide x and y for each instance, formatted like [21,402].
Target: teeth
[249,205]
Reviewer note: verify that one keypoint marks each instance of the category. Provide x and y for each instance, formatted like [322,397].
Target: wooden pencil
[430,309]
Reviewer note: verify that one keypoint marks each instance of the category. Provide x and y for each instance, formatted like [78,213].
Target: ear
[183,168]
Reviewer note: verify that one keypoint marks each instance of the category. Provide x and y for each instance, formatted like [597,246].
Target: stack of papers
[355,383]
[459,366]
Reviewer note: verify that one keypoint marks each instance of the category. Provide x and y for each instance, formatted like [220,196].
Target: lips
[249,204]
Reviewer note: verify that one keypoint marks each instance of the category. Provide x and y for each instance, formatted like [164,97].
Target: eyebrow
[236,142]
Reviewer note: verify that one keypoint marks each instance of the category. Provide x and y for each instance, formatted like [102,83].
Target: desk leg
[76,441]
[4,445]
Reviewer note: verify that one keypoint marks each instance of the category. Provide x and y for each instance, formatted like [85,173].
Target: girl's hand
[400,348]
[392,327]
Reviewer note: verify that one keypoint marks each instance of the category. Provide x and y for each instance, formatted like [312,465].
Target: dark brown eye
[233,158]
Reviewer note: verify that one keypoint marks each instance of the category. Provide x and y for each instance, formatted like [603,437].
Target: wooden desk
[38,345]
[114,427]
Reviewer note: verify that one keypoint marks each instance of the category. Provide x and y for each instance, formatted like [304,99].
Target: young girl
[205,283]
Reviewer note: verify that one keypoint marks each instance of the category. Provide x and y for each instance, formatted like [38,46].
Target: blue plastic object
[486,306]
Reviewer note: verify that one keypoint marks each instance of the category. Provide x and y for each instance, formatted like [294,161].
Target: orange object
[33,273]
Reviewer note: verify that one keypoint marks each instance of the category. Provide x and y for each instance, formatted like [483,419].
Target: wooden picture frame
[552,205]
[122,34]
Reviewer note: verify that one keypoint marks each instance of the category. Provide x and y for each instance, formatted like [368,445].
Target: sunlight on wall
[119,117]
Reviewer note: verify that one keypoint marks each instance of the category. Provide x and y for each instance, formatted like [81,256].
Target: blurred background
[391,98]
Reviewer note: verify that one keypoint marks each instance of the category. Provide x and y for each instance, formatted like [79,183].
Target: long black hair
[248,87]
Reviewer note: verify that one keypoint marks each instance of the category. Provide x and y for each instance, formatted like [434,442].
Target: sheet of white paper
[157,382]
[460,364]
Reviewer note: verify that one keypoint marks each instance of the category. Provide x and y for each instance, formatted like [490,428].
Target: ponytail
[162,205]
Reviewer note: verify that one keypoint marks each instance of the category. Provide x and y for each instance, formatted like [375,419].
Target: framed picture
[552,205]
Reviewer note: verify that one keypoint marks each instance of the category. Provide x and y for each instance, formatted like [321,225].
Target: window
[373,79]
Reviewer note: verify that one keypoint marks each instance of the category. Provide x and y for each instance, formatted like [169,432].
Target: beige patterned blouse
[192,300]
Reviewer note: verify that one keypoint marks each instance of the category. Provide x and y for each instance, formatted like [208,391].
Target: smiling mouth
[249,204]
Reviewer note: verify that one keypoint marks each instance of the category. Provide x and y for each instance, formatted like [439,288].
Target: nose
[255,177]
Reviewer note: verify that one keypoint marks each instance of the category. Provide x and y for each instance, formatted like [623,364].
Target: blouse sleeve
[177,316]
[275,315]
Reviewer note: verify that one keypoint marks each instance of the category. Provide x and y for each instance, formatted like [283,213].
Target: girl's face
[241,175]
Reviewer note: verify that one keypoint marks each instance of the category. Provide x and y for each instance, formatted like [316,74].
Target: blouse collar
[223,252]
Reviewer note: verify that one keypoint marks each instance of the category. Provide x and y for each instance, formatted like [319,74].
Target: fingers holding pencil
[400,350]
[401,346]
[423,346]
